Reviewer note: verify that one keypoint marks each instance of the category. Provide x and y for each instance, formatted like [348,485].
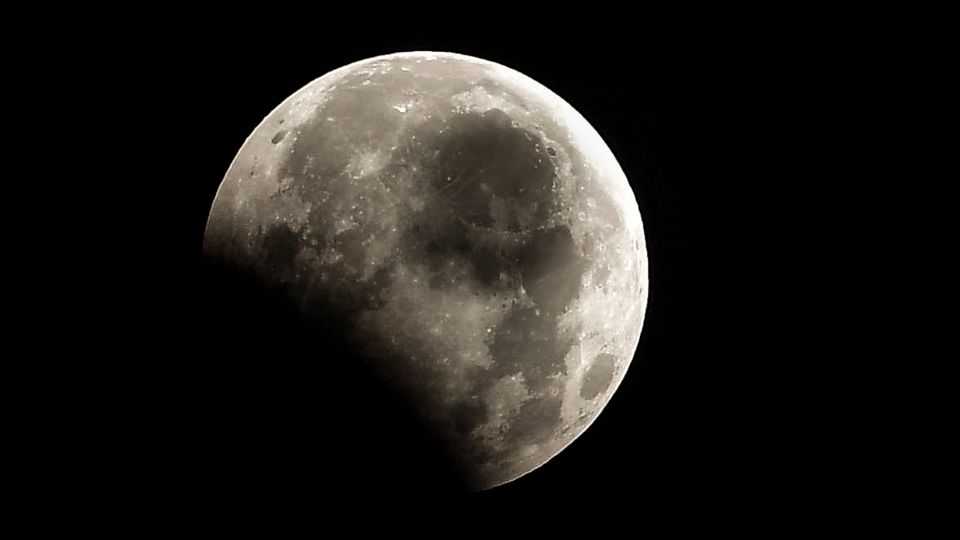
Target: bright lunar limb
[471,233]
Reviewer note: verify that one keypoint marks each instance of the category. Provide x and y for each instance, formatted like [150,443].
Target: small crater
[551,151]
[278,137]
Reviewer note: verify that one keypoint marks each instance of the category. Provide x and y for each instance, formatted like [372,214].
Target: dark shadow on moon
[279,405]
[281,246]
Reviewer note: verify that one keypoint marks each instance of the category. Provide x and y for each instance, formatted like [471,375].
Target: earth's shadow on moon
[288,409]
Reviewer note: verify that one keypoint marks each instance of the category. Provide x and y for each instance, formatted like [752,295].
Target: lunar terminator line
[468,228]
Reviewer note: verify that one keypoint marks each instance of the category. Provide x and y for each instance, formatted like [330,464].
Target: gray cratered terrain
[470,232]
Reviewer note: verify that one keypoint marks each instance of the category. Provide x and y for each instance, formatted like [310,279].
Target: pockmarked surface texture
[469,232]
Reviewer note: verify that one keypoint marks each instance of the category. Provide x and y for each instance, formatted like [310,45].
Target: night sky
[683,110]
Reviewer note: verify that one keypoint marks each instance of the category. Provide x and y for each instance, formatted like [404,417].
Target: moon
[462,227]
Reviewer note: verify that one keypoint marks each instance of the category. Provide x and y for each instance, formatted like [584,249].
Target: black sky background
[220,402]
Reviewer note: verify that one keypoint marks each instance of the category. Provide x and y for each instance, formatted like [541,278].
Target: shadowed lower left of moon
[280,409]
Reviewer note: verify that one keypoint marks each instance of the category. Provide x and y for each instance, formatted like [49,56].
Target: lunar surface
[466,230]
